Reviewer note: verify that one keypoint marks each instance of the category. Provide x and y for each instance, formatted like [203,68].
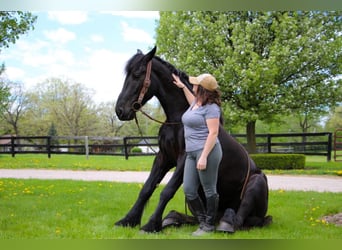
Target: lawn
[46,209]
[315,165]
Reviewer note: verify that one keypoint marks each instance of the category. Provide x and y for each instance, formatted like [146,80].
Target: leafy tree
[53,132]
[4,90]
[110,124]
[63,102]
[267,63]
[14,106]
[335,119]
[13,24]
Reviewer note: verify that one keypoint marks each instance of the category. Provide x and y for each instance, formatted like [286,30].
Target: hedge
[279,161]
[136,150]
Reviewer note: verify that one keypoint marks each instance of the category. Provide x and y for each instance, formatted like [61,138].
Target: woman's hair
[207,96]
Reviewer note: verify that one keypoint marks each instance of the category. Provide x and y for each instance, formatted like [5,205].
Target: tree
[53,133]
[334,119]
[63,102]
[267,63]
[110,124]
[14,105]
[4,90]
[13,24]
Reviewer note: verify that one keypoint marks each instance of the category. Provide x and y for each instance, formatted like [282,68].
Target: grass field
[45,209]
[315,165]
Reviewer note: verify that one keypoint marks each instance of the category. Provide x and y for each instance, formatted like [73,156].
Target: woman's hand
[202,163]
[177,81]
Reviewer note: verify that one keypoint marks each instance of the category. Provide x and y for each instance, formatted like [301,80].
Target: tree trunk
[251,141]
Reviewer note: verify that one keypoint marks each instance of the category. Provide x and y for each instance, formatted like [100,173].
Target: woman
[201,126]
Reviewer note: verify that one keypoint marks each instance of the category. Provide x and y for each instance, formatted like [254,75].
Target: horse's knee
[227,222]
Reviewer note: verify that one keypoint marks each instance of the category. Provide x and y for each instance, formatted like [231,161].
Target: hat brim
[193,80]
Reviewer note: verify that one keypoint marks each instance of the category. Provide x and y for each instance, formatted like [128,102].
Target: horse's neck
[173,102]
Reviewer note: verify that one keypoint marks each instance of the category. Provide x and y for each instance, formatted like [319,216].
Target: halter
[136,106]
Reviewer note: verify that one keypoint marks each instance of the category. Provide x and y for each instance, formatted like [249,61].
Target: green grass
[46,209]
[76,162]
[315,165]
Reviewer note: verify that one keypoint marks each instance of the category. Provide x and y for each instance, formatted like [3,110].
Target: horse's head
[134,93]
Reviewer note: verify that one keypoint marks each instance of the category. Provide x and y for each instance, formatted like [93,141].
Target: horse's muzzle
[124,114]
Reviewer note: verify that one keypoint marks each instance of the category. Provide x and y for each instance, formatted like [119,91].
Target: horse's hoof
[268,220]
[125,223]
[225,227]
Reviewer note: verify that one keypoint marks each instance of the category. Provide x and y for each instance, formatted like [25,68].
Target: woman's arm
[188,94]
[213,127]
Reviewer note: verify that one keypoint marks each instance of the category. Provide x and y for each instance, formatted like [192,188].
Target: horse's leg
[158,171]
[155,222]
[252,209]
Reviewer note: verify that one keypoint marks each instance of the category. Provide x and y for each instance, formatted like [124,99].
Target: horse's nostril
[119,112]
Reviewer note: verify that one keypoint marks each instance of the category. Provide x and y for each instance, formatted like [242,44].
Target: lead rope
[141,134]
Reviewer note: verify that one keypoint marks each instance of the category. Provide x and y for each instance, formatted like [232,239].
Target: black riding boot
[209,223]
[197,209]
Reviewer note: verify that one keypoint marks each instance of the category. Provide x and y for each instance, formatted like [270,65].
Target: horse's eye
[136,74]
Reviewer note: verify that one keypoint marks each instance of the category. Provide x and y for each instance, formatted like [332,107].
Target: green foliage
[13,24]
[267,63]
[136,150]
[61,209]
[279,161]
[334,119]
[65,103]
[68,105]
[4,90]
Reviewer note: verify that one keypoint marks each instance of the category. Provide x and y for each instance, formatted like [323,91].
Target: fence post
[86,144]
[269,141]
[329,148]
[125,147]
[48,146]
[12,146]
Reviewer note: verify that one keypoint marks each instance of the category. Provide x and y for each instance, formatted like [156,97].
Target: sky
[90,48]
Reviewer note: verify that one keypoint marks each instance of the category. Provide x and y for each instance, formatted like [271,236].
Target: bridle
[136,106]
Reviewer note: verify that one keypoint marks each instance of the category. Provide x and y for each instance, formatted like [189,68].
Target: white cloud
[60,35]
[102,71]
[96,38]
[68,17]
[14,73]
[135,35]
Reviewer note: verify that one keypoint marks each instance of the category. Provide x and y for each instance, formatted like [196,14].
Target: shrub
[279,161]
[136,150]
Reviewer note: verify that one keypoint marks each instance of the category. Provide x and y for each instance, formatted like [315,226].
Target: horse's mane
[132,61]
[139,55]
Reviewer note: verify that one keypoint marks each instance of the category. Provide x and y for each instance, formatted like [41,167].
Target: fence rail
[303,143]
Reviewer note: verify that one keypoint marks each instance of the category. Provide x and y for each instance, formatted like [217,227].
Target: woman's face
[194,88]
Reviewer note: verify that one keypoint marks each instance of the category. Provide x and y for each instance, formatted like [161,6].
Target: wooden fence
[301,143]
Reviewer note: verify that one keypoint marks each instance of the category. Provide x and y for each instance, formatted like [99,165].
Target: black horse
[242,187]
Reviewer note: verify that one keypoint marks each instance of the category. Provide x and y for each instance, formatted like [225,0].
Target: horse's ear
[151,54]
[139,51]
